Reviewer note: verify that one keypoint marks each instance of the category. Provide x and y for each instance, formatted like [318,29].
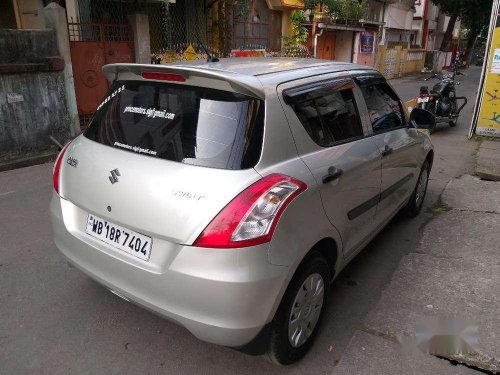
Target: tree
[338,9]
[452,8]
[475,20]
[467,10]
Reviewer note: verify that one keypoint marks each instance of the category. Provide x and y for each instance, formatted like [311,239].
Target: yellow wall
[397,62]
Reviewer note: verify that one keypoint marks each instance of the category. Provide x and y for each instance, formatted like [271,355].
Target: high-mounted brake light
[163,76]
[57,168]
[251,218]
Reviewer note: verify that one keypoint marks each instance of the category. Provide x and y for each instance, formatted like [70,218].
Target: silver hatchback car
[226,196]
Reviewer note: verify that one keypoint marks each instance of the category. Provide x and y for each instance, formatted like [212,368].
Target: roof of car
[251,75]
[261,66]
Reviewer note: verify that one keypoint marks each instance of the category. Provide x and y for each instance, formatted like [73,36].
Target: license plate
[423,100]
[117,236]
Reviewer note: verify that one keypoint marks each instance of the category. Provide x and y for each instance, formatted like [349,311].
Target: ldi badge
[72,161]
[114,176]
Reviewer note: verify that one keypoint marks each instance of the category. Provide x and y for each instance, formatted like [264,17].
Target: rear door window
[328,113]
[187,124]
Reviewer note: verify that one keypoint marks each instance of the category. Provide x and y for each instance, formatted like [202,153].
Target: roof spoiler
[243,84]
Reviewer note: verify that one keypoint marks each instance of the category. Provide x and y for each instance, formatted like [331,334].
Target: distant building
[397,18]
[347,38]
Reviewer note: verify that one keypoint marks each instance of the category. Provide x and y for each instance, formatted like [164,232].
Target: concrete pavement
[55,320]
[488,160]
[370,354]
[452,277]
[454,272]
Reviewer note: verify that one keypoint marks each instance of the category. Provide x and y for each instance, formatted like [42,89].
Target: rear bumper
[222,296]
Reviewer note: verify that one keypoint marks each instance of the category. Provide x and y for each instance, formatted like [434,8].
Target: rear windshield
[187,124]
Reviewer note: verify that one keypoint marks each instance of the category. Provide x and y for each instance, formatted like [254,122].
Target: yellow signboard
[169,56]
[488,121]
[285,4]
[190,53]
[292,3]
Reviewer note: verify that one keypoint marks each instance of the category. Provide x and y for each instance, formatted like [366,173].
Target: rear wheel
[416,202]
[296,323]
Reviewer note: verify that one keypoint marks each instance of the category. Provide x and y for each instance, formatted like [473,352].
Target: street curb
[28,161]
[488,161]
[487,176]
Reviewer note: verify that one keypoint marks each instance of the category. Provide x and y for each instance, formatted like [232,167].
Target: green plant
[353,9]
[222,27]
[244,6]
[338,9]
[299,34]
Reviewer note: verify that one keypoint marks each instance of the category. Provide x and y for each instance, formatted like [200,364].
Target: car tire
[295,324]
[416,202]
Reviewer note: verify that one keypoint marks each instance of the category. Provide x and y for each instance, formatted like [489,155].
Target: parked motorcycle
[442,100]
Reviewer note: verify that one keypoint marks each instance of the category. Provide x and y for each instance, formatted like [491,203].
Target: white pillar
[55,18]
[142,47]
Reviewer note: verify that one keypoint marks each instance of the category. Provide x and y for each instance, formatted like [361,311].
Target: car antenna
[210,58]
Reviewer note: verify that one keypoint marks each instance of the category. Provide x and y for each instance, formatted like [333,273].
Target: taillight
[251,218]
[163,76]
[57,168]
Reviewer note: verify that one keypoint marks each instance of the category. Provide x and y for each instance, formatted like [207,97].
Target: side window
[328,114]
[383,105]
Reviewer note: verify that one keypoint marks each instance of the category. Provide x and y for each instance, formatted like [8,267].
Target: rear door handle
[387,151]
[333,174]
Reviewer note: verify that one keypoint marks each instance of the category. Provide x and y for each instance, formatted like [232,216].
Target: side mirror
[422,119]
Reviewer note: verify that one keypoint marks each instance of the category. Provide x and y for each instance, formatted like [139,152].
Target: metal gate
[93,45]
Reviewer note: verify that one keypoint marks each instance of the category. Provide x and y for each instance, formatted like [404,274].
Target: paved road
[55,320]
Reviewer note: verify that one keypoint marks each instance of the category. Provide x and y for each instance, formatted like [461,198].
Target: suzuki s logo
[114,176]
[72,161]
